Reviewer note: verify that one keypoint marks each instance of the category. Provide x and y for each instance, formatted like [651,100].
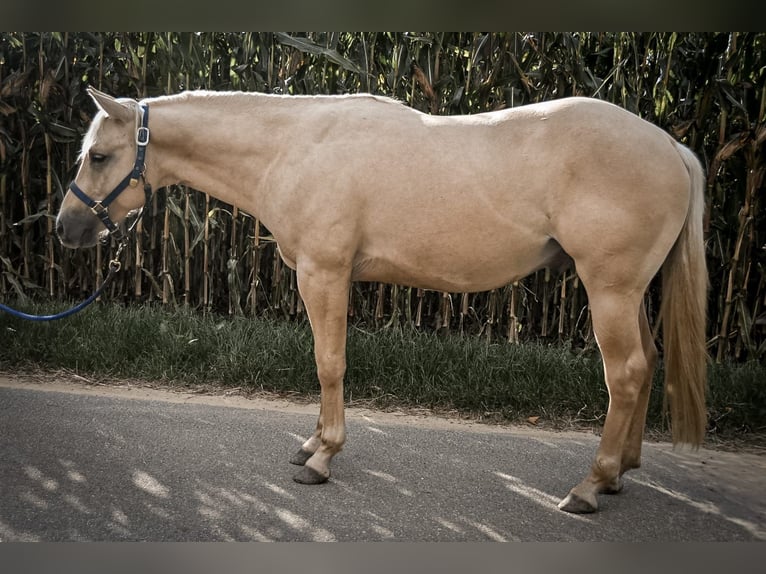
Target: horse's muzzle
[78,231]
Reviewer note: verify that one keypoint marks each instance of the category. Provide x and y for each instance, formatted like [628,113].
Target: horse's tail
[684,312]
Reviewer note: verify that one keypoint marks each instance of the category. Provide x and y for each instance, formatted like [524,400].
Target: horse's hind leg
[325,295]
[631,456]
[618,332]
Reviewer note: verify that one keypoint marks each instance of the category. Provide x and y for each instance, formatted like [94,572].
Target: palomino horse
[362,188]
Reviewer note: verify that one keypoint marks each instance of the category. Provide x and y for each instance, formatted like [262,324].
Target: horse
[364,188]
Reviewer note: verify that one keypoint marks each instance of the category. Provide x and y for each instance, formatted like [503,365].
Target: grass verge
[494,382]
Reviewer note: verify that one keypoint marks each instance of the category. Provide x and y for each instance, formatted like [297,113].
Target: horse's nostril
[59,228]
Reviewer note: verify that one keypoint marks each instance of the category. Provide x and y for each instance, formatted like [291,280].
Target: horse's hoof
[308,475]
[576,505]
[300,457]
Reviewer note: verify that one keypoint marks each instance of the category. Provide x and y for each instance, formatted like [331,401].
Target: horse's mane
[203,94]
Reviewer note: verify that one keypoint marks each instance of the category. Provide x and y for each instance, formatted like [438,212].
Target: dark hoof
[300,457]
[576,505]
[308,475]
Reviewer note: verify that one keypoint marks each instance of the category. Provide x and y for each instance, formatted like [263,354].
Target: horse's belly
[456,270]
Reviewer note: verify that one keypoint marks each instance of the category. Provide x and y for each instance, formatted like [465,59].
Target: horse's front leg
[325,295]
[311,445]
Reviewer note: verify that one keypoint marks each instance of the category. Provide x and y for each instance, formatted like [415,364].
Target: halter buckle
[142,136]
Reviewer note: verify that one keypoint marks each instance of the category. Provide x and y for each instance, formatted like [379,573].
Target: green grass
[386,369]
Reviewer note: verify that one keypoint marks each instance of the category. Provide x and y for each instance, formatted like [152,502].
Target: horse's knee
[331,370]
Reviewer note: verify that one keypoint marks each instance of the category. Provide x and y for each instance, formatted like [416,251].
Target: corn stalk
[707,89]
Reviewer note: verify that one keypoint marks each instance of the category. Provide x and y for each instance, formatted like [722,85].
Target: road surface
[111,463]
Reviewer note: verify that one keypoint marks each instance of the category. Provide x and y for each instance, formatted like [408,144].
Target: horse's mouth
[74,238]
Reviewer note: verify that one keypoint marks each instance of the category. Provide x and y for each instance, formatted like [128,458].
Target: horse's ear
[110,106]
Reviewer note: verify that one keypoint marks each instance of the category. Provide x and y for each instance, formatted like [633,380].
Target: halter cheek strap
[101,207]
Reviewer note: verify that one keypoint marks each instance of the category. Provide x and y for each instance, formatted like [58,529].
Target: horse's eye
[97,158]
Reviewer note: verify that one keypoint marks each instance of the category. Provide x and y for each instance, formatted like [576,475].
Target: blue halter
[101,208]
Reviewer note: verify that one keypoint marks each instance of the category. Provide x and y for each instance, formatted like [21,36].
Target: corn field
[707,89]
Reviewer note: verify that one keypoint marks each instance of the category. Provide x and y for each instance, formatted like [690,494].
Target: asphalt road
[84,463]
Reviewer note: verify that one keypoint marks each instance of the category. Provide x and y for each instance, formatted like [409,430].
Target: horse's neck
[218,144]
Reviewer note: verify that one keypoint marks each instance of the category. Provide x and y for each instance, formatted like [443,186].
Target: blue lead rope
[114,266]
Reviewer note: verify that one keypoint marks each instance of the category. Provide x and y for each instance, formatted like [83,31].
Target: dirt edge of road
[66,382]
[237,398]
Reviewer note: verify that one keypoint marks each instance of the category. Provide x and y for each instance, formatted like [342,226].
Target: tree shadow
[133,470]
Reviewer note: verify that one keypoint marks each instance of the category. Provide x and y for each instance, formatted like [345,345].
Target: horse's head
[101,194]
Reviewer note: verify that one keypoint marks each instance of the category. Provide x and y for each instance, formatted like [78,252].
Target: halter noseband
[101,208]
